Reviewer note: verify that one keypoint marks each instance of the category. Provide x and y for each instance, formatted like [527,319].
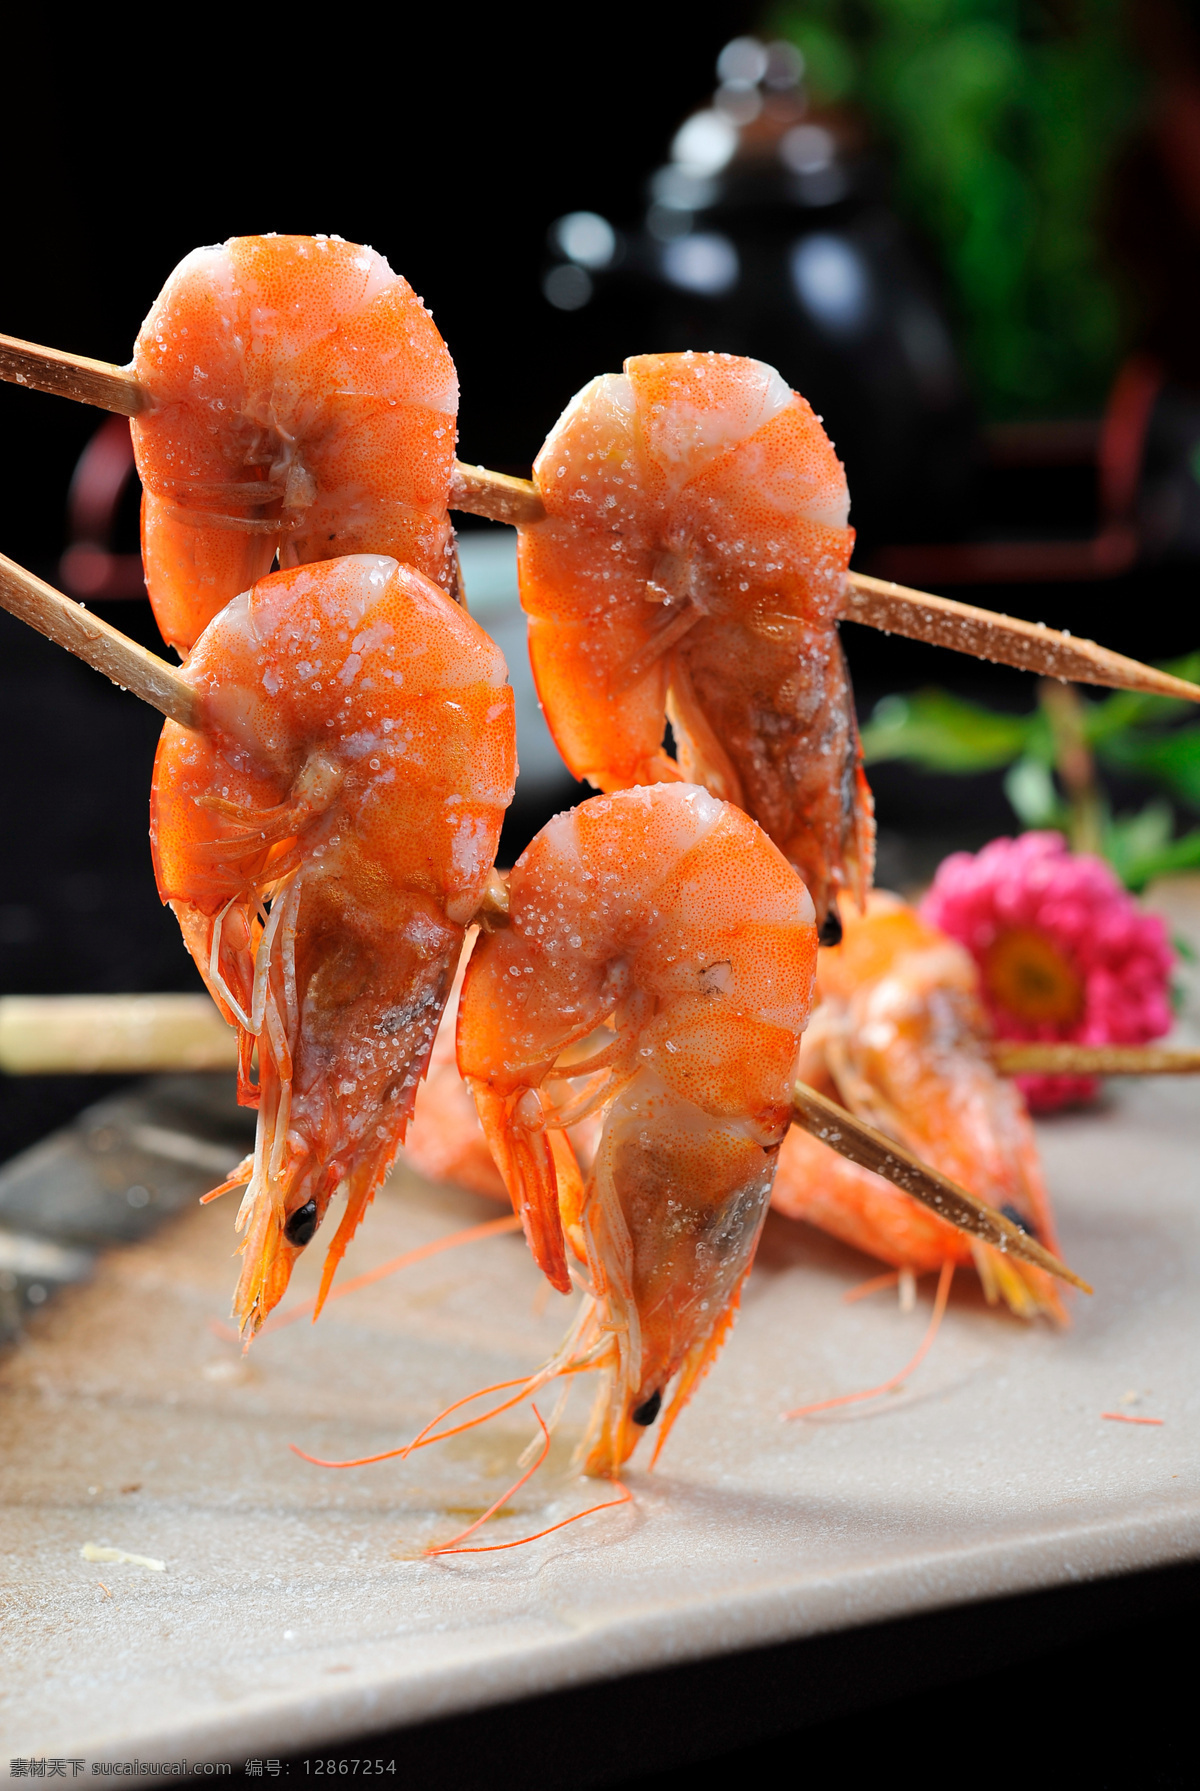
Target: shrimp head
[303,401]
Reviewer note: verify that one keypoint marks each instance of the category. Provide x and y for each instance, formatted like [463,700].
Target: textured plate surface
[294,1607]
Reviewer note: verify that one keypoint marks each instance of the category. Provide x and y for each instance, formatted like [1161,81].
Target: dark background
[450,151]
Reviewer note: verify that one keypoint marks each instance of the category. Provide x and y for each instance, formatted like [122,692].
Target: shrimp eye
[1019,1220]
[648,1411]
[831,929]
[301,1224]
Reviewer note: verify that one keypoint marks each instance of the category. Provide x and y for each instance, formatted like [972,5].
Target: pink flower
[1064,951]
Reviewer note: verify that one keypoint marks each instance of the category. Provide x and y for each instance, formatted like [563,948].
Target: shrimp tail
[526,1161]
[1026,1290]
[656,768]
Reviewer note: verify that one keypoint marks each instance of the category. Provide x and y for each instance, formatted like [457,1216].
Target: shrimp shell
[901,1038]
[324,843]
[302,401]
[668,920]
[691,566]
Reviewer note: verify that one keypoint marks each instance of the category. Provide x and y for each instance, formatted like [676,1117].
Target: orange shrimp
[302,401]
[669,916]
[445,1141]
[901,1037]
[324,844]
[691,566]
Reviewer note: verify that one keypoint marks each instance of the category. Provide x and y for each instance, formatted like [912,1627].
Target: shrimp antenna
[278,1320]
[452,1547]
[422,1438]
[449,1548]
[526,1384]
[895,1380]
[878,603]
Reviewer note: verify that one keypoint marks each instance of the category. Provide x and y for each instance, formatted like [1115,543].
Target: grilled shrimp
[658,965]
[324,843]
[691,566]
[900,1037]
[302,401]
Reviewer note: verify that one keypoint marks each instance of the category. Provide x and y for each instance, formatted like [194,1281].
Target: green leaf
[1031,790]
[1171,759]
[1128,839]
[1139,847]
[944,733]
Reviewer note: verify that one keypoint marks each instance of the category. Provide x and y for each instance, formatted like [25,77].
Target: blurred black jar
[768,234]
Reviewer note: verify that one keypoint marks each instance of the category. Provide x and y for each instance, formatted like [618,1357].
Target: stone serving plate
[295,1607]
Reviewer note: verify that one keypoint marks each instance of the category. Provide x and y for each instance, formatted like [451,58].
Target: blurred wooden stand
[143,1034]
[1019,1058]
[76,1035]
[73,1035]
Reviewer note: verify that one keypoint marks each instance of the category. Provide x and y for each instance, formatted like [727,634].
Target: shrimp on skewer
[692,565]
[901,1037]
[303,401]
[324,843]
[668,919]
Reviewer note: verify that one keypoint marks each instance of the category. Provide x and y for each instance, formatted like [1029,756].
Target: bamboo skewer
[986,634]
[874,602]
[877,603]
[498,496]
[1014,1057]
[103,647]
[71,376]
[862,1144]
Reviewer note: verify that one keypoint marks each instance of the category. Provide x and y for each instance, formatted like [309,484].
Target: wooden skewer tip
[103,647]
[862,1144]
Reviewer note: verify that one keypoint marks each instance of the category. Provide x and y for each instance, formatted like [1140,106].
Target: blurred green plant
[1052,757]
[1002,117]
